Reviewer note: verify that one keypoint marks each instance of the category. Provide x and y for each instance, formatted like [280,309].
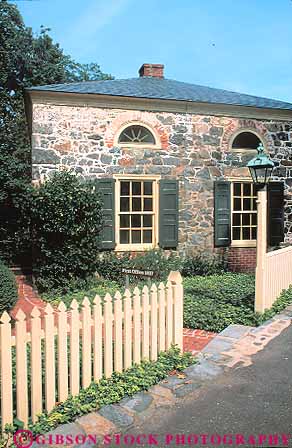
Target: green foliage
[111,390]
[66,221]
[8,289]
[78,289]
[235,289]
[279,305]
[208,314]
[26,60]
[212,303]
[110,264]
[202,265]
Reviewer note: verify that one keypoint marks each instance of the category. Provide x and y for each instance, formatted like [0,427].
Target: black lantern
[261,167]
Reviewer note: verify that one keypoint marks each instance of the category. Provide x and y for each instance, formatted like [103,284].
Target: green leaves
[27,59]
[212,303]
[112,390]
[66,221]
[8,289]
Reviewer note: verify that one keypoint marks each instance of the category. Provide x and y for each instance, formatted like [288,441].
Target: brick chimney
[152,70]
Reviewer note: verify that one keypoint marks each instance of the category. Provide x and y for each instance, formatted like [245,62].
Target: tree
[25,60]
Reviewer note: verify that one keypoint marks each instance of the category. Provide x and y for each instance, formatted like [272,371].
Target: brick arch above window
[144,119]
[237,127]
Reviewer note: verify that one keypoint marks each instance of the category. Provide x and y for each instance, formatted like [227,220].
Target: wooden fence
[50,356]
[272,276]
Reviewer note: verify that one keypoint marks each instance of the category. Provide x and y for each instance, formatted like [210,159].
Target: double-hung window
[136,213]
[244,214]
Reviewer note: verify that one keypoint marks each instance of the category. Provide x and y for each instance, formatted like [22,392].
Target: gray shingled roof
[165,89]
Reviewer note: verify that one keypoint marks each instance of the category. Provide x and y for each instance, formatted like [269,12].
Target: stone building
[169,158]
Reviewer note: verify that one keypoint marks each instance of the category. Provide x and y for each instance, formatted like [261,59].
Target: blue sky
[241,45]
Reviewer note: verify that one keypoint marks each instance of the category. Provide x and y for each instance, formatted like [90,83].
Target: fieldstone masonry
[193,148]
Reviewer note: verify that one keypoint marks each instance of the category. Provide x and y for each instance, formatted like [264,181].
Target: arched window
[246,141]
[136,134]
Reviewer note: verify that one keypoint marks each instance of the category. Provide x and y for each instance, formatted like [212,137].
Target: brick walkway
[27,297]
[195,340]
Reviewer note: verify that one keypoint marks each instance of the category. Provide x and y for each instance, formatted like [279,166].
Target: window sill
[252,243]
[134,247]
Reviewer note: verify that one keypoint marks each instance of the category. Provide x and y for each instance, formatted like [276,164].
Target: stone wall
[193,148]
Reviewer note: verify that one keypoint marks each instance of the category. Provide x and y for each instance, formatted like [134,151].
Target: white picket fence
[47,357]
[274,275]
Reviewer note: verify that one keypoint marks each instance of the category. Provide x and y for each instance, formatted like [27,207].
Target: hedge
[8,289]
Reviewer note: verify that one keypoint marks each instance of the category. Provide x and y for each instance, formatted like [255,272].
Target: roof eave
[159,105]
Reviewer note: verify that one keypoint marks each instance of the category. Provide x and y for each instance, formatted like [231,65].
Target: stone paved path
[234,347]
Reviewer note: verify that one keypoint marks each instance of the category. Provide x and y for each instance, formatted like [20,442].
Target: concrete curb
[234,346]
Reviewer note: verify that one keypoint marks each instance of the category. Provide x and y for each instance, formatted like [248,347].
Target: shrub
[202,265]
[8,289]
[110,264]
[66,221]
[234,289]
[78,291]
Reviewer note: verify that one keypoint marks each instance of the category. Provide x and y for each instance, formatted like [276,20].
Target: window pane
[245,219]
[148,188]
[254,204]
[237,204]
[236,219]
[148,204]
[124,220]
[147,236]
[136,188]
[125,204]
[246,189]
[254,233]
[125,188]
[237,189]
[246,140]
[254,219]
[247,204]
[246,233]
[136,221]
[136,134]
[236,233]
[147,221]
[136,236]
[124,236]
[136,204]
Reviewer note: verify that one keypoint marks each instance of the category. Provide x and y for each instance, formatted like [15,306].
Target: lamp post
[261,169]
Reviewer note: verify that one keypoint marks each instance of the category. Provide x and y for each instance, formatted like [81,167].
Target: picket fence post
[105,336]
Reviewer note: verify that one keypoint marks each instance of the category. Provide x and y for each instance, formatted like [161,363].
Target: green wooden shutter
[275,213]
[222,213]
[168,213]
[106,188]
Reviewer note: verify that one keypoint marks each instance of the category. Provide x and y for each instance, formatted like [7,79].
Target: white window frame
[143,246]
[239,243]
[155,145]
